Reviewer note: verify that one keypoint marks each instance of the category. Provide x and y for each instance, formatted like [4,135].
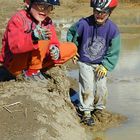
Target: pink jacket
[17,37]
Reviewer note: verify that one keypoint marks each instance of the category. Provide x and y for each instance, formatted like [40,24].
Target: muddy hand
[75,58]
[46,34]
[101,71]
[40,33]
[54,52]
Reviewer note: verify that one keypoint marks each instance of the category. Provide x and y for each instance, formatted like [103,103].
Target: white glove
[54,52]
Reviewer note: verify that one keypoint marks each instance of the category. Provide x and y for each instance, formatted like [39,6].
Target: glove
[101,71]
[54,52]
[75,58]
[39,33]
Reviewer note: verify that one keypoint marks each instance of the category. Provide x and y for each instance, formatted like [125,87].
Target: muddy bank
[43,111]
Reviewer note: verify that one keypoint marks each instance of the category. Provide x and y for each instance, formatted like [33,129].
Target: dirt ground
[38,111]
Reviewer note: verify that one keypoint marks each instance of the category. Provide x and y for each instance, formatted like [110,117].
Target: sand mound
[39,111]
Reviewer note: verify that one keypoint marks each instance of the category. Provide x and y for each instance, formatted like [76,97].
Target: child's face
[40,11]
[101,17]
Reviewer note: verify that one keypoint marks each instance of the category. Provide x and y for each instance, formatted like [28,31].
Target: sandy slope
[44,112]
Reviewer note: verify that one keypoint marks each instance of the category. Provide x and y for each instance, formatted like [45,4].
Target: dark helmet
[104,5]
[51,2]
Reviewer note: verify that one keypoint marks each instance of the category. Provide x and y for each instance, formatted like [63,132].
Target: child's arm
[112,55]
[19,41]
[72,34]
[54,44]
[53,38]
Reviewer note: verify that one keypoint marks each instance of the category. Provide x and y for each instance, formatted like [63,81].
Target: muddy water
[124,88]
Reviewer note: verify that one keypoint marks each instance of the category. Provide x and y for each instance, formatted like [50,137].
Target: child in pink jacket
[30,43]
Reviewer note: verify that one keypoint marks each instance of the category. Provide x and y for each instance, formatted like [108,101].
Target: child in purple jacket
[98,41]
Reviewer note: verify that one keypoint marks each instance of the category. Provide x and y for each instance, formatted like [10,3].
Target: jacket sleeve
[112,55]
[19,41]
[74,32]
[54,40]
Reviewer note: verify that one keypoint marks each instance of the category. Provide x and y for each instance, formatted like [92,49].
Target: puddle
[124,97]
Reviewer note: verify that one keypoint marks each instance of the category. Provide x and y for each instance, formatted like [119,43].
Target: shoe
[100,114]
[79,112]
[88,120]
[34,77]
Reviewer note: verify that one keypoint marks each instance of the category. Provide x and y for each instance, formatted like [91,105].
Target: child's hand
[75,58]
[41,33]
[101,71]
[54,52]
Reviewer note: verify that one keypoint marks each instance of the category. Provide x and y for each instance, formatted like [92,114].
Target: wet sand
[40,114]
